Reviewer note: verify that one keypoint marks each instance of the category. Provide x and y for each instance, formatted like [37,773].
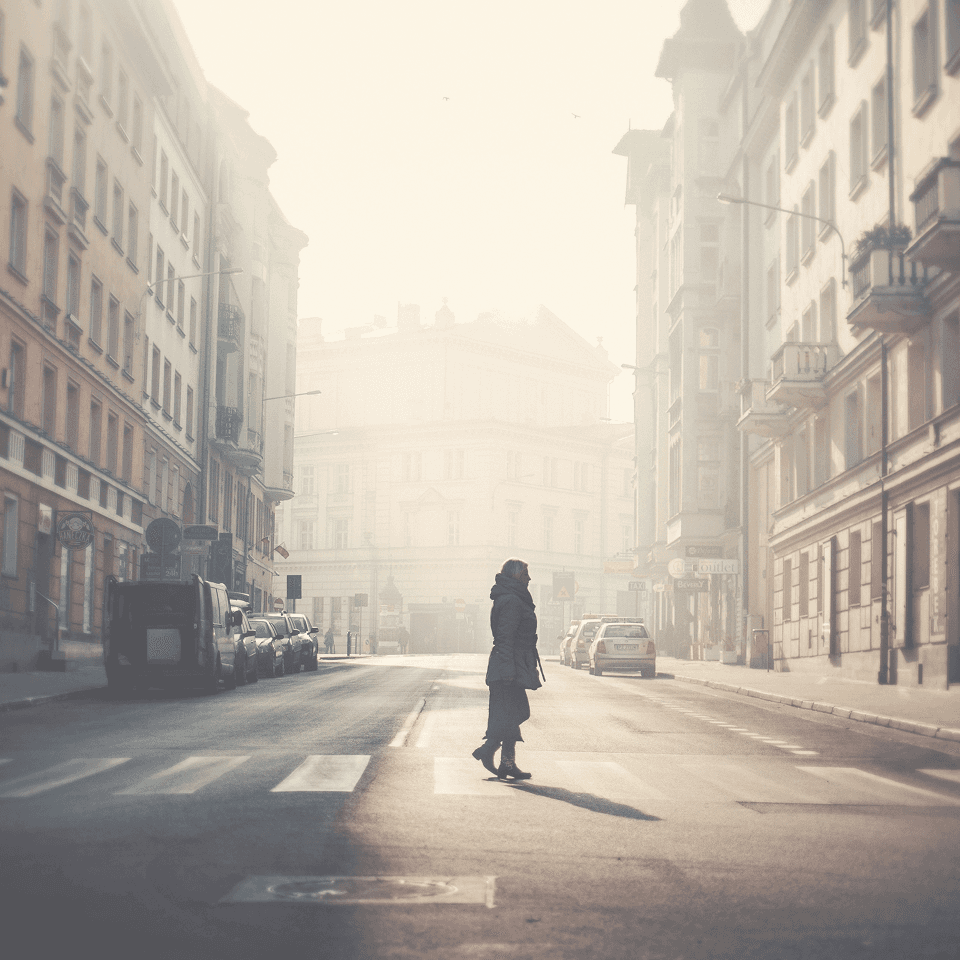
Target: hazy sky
[497,198]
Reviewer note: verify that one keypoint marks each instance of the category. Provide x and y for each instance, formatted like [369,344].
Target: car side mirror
[248,633]
[315,630]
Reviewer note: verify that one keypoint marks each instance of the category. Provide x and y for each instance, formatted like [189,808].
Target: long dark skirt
[509,707]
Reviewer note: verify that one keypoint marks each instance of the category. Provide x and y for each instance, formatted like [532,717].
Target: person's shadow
[587,801]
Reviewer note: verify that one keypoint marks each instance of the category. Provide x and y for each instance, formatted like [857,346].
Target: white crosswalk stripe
[63,773]
[610,780]
[952,775]
[325,774]
[876,789]
[188,776]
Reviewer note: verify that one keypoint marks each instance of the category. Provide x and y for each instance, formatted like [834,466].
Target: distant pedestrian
[511,669]
[403,638]
[328,640]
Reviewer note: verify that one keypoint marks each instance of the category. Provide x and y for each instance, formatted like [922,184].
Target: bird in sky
[446,98]
[576,116]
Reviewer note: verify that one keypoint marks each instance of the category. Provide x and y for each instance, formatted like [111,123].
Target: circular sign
[163,535]
[676,567]
[75,530]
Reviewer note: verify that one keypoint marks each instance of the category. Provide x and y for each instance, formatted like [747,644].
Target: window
[793,245]
[189,421]
[136,138]
[791,136]
[772,190]
[918,382]
[547,531]
[858,150]
[773,292]
[100,195]
[96,310]
[25,91]
[828,312]
[18,234]
[808,324]
[133,228]
[709,343]
[128,338]
[513,528]
[181,297]
[11,530]
[808,113]
[17,383]
[56,130]
[950,362]
[808,227]
[214,489]
[709,148]
[804,585]
[158,278]
[339,532]
[854,573]
[113,443]
[857,14]
[878,123]
[127,455]
[106,74]
[51,266]
[72,433]
[117,214]
[924,61]
[174,200]
[876,561]
[675,466]
[72,304]
[453,528]
[155,376]
[171,287]
[952,18]
[343,478]
[193,321]
[184,214]
[162,189]
[177,390]
[821,451]
[579,536]
[196,238]
[920,544]
[48,401]
[852,430]
[167,386]
[786,602]
[113,328]
[123,91]
[86,34]
[307,534]
[826,73]
[827,195]
[96,428]
[452,464]
[80,164]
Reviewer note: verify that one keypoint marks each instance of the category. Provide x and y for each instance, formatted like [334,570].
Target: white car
[623,646]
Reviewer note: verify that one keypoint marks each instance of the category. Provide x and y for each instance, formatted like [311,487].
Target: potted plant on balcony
[871,263]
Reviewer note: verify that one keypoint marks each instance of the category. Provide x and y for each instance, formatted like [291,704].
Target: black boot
[484,753]
[508,768]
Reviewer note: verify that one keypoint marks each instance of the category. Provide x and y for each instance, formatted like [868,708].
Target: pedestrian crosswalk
[623,778]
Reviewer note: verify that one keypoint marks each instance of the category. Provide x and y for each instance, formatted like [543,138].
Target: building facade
[109,144]
[438,450]
[839,148]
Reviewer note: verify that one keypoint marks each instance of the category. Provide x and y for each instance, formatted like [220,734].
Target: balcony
[229,420]
[248,455]
[229,327]
[888,292]
[937,208]
[797,371]
[760,415]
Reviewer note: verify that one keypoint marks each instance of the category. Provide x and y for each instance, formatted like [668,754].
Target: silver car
[623,646]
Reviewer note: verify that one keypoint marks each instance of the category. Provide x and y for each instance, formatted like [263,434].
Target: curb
[45,698]
[846,713]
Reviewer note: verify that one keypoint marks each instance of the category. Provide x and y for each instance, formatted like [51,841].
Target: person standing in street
[511,669]
[328,640]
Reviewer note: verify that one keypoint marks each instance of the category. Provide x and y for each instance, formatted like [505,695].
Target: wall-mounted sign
[200,532]
[75,529]
[695,584]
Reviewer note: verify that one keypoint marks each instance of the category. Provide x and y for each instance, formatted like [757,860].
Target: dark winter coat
[513,622]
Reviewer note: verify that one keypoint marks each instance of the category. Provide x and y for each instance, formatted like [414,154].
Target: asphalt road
[339,815]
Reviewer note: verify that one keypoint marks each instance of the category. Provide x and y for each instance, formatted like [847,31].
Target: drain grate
[349,891]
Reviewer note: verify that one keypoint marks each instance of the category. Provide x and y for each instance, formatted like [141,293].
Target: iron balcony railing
[229,420]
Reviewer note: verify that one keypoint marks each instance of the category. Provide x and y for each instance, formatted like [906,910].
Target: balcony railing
[797,372]
[229,420]
[230,325]
[888,292]
[759,414]
[937,211]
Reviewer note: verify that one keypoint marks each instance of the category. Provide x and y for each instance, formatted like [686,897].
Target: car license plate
[625,647]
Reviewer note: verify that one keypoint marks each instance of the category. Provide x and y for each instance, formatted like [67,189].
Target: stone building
[438,450]
[110,139]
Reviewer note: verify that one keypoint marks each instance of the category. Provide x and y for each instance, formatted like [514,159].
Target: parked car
[624,645]
[580,642]
[293,641]
[565,642]
[270,647]
[311,639]
[246,665]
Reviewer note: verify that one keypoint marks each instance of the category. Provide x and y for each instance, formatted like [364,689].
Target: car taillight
[651,649]
[601,647]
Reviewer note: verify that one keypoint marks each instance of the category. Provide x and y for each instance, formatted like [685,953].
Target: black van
[158,633]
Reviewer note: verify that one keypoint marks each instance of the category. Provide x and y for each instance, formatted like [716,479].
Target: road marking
[464,777]
[188,776]
[806,753]
[58,776]
[881,789]
[325,774]
[401,738]
[952,775]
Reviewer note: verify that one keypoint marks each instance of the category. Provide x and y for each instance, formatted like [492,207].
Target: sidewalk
[32,687]
[928,713]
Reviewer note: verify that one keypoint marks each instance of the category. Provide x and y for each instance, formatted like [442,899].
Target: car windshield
[262,627]
[590,629]
[298,623]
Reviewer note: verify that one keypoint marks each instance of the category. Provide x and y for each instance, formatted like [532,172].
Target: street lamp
[726,198]
[151,288]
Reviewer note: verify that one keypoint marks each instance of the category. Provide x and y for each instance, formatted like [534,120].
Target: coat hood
[508,585]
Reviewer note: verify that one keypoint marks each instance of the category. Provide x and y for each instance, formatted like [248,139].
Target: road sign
[635,585]
[359,599]
[564,586]
[294,586]
[695,584]
[658,588]
[163,535]
[200,532]
[153,566]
